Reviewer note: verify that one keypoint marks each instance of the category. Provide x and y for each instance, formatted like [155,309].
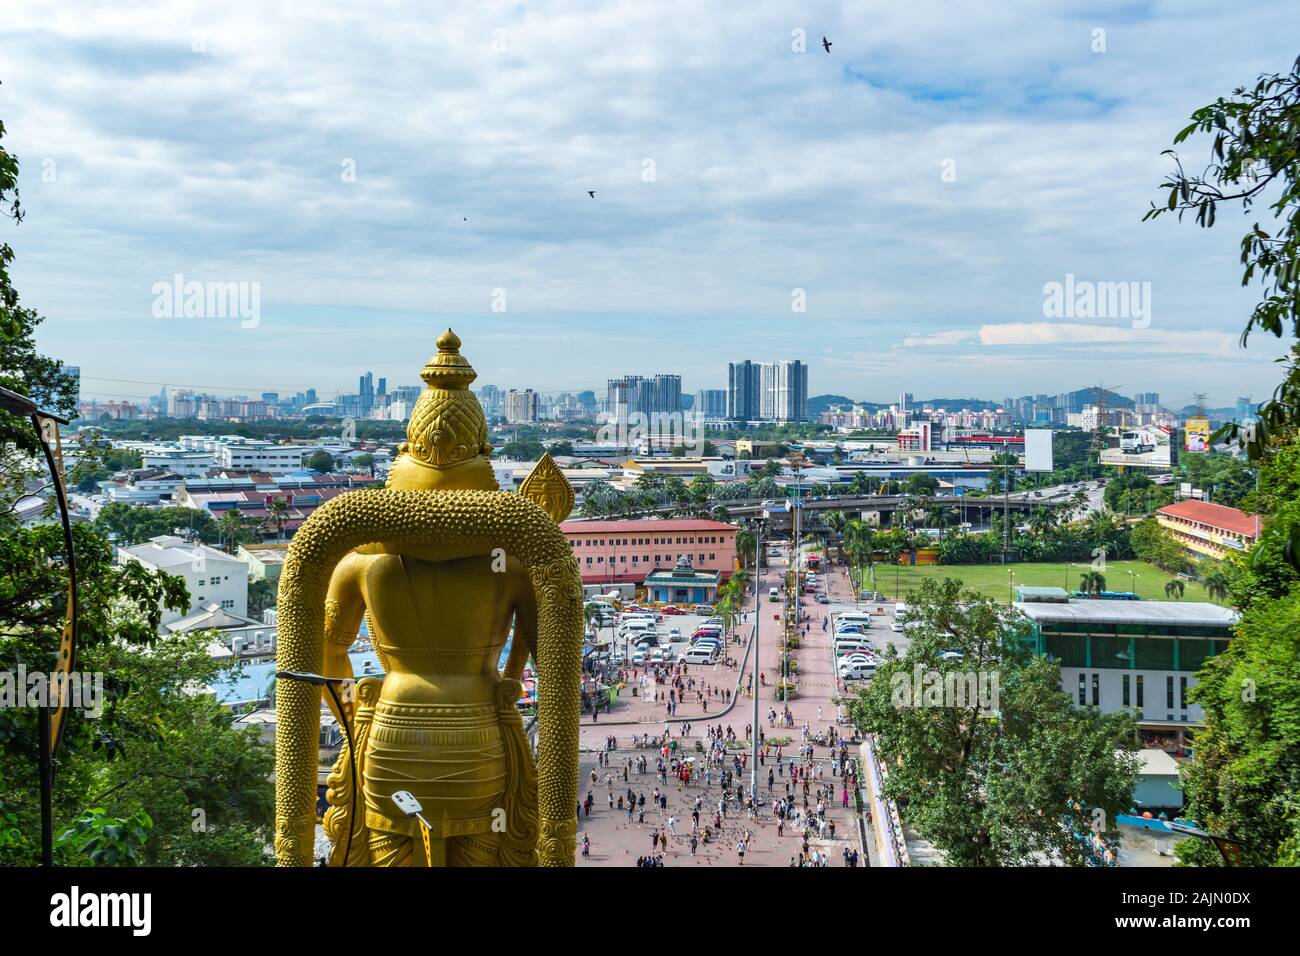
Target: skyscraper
[367,391]
[784,391]
[743,387]
[521,407]
[660,394]
[711,403]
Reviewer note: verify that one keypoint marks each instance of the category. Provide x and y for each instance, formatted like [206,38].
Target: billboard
[1142,446]
[1038,449]
[1198,433]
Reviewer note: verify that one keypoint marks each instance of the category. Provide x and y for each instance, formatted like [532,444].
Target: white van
[843,650]
[773,594]
[700,655]
[638,629]
[858,671]
[850,642]
[854,617]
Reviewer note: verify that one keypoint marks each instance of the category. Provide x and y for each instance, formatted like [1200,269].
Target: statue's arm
[344,608]
[525,640]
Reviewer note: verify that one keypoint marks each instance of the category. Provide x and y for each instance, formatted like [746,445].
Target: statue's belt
[409,826]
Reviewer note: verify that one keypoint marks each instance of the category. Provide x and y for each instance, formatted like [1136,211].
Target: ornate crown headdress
[447,426]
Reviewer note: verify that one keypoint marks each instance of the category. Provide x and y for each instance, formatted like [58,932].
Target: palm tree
[835,522]
[233,529]
[1216,585]
[1174,589]
[1092,583]
[1042,522]
[279,509]
[746,540]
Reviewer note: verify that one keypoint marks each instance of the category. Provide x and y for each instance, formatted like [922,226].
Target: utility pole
[753,674]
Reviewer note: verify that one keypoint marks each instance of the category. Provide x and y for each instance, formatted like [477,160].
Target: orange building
[628,551]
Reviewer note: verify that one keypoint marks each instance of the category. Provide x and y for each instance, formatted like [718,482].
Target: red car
[669,609]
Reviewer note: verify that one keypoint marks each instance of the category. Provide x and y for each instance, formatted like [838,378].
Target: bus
[814,562]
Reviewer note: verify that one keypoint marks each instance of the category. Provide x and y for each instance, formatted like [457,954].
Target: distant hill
[819,403]
[957,404]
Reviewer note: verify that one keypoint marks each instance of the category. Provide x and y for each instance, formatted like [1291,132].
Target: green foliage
[1135,493]
[134,525]
[992,785]
[319,461]
[1245,780]
[1153,544]
[109,841]
[525,449]
[261,595]
[1253,157]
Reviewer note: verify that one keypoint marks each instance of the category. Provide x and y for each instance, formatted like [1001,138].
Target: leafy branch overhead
[1255,158]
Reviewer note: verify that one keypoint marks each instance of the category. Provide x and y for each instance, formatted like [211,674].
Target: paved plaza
[617,840]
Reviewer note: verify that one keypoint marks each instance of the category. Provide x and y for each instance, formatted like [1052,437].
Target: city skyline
[251,158]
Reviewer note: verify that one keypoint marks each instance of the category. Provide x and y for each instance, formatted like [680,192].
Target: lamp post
[753,675]
[52,715]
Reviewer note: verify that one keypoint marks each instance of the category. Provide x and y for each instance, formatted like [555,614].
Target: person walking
[740,850]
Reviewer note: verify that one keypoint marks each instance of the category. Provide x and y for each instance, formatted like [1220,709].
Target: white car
[638,657]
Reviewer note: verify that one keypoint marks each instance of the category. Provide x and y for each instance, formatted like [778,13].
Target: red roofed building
[628,551]
[1207,528]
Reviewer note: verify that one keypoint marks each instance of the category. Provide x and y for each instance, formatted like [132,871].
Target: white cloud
[773,171]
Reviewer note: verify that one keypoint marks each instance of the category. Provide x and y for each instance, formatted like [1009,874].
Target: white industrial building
[212,576]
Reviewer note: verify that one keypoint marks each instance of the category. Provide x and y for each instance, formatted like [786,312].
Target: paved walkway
[617,840]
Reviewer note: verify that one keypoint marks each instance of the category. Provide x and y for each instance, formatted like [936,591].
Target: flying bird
[826,44]
[591,193]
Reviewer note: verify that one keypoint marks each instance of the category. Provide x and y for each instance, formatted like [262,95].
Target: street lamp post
[753,675]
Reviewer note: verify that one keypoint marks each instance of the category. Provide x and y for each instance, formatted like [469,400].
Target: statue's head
[446,445]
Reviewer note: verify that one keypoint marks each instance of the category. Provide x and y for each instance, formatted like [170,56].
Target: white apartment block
[212,576]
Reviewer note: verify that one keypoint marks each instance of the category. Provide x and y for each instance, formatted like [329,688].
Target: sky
[893,212]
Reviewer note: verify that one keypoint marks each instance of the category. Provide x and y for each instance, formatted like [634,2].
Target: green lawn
[991,579]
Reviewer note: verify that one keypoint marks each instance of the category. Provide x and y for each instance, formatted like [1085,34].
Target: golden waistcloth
[450,757]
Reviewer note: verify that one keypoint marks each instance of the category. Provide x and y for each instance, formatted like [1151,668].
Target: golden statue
[441,564]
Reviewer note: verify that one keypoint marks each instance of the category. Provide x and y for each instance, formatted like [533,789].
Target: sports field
[992,579]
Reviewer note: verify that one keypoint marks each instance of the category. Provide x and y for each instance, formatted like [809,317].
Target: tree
[135,525]
[319,461]
[22,368]
[1092,583]
[528,449]
[563,447]
[234,530]
[156,748]
[128,780]
[261,595]
[1174,589]
[921,484]
[1245,779]
[986,750]
[279,509]
[1216,584]
[1253,158]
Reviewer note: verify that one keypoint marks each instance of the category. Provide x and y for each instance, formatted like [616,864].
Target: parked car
[700,655]
[639,657]
[674,634]
[704,609]
[823,599]
[671,609]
